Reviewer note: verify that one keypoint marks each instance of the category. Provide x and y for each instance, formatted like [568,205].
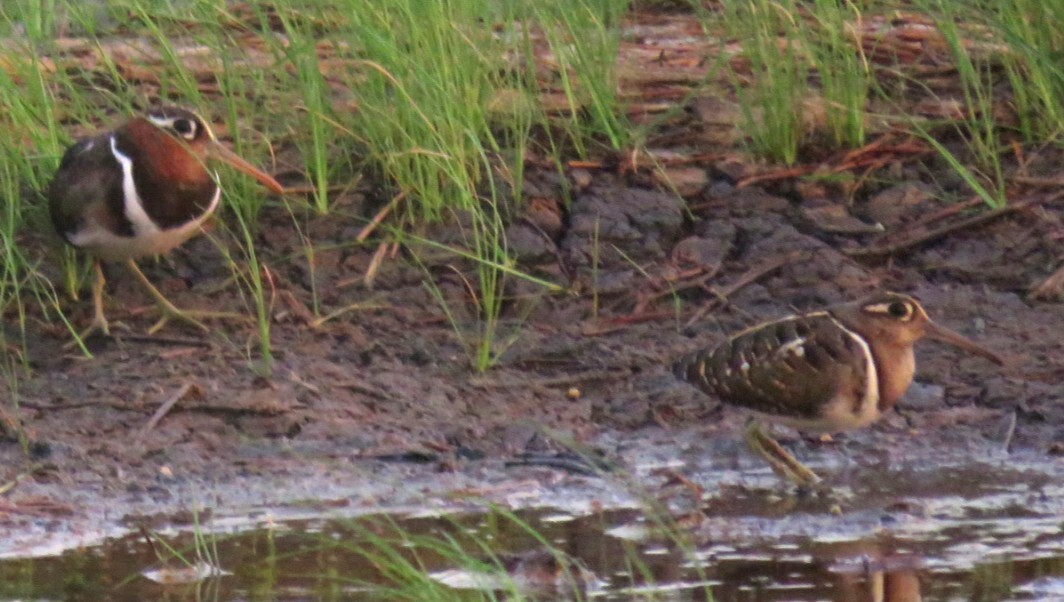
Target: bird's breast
[895,380]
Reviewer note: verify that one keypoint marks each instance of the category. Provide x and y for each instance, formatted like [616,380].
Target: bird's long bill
[218,151]
[941,333]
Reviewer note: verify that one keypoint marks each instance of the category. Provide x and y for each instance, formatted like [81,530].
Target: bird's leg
[170,311]
[99,321]
[782,462]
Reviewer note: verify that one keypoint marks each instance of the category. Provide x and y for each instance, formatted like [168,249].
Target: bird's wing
[88,187]
[791,367]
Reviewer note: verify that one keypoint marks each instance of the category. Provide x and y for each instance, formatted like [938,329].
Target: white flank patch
[838,414]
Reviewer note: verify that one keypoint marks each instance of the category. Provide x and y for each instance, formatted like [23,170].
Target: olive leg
[99,320]
[782,462]
[170,311]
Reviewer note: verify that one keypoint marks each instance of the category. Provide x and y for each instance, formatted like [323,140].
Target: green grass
[403,559]
[978,129]
[440,103]
[584,38]
[842,69]
[772,94]
[1007,55]
[1033,34]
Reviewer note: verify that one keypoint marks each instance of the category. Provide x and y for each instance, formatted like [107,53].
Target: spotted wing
[791,367]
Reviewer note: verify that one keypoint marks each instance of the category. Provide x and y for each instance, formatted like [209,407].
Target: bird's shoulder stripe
[132,205]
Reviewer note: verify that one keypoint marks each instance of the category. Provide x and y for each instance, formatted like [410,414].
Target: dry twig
[751,276]
[937,233]
[165,408]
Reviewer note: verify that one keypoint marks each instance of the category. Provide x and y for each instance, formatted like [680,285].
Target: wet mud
[379,407]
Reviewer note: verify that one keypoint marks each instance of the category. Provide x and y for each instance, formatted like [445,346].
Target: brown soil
[394,383]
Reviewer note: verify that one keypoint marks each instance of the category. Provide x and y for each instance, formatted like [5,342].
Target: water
[631,558]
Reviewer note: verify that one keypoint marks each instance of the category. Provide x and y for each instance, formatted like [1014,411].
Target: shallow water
[631,557]
[926,521]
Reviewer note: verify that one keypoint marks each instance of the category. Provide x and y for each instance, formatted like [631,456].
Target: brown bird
[825,371]
[140,190]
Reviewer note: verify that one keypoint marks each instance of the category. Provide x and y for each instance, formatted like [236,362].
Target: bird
[837,369]
[141,189]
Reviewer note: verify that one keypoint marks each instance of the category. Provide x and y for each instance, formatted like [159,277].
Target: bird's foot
[99,322]
[99,325]
[789,468]
[171,312]
[191,317]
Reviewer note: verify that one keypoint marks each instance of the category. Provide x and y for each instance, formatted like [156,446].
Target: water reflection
[615,556]
[901,585]
[865,571]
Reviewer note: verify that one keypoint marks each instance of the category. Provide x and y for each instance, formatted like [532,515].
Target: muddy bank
[378,407]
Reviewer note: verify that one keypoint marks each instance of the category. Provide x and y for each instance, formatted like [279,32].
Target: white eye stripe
[161,121]
[878,308]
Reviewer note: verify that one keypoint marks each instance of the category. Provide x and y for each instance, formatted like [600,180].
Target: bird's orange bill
[941,333]
[224,154]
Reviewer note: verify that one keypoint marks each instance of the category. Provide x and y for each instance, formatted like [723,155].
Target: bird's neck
[172,181]
[895,366]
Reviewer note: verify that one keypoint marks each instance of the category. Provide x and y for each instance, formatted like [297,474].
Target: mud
[379,407]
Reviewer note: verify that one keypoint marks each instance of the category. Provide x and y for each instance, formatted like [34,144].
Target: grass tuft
[773,94]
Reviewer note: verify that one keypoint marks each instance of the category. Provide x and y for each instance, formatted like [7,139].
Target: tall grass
[841,67]
[978,127]
[27,158]
[430,115]
[429,74]
[1034,35]
[584,38]
[773,95]
[439,101]
[422,112]
[313,119]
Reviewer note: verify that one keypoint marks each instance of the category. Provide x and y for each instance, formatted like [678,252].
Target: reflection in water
[879,586]
[615,556]
[865,571]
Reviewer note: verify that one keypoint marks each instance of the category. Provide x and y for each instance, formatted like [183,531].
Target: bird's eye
[899,310]
[185,127]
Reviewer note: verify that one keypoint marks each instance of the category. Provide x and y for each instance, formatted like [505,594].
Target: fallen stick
[379,217]
[751,276]
[937,233]
[165,409]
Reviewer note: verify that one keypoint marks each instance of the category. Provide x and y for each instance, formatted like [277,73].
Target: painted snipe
[825,371]
[140,190]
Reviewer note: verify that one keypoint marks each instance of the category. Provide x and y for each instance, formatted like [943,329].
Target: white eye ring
[899,310]
[176,124]
[185,127]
